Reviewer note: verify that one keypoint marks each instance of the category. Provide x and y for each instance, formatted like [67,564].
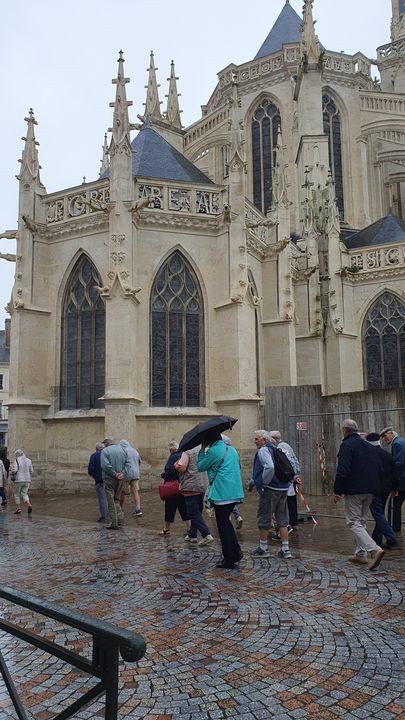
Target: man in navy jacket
[358,479]
[397,447]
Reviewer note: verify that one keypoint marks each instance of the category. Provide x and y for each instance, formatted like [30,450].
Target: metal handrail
[108,642]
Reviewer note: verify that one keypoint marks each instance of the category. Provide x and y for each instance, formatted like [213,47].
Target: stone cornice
[176,220]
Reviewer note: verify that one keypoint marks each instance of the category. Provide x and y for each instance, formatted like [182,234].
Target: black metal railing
[108,642]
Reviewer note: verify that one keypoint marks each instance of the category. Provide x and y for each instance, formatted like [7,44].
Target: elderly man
[358,479]
[115,465]
[94,470]
[272,496]
[397,447]
[275,436]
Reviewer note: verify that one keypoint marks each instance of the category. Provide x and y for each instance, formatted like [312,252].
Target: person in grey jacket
[396,445]
[358,480]
[115,465]
[193,485]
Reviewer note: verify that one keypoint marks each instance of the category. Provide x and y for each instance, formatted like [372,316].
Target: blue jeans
[102,500]
[194,507]
[382,527]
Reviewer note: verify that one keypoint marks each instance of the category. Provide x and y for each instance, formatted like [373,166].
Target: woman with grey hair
[21,474]
[173,504]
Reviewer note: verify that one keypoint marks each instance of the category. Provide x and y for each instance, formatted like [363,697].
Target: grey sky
[59,59]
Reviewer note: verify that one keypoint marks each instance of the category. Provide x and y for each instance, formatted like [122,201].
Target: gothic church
[262,246]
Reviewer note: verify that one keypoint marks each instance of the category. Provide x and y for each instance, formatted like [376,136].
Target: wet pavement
[309,637]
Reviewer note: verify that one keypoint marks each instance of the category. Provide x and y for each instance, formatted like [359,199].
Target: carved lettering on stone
[179,200]
[154,193]
[207,202]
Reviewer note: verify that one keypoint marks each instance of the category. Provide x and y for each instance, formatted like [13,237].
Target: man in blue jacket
[358,479]
[397,447]
[94,470]
[272,496]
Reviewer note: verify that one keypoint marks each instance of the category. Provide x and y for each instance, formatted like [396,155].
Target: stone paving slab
[313,637]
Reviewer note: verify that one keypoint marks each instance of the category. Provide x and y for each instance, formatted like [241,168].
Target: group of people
[366,476]
[115,468]
[20,472]
[211,475]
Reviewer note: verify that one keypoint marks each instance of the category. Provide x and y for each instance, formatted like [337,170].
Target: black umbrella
[199,434]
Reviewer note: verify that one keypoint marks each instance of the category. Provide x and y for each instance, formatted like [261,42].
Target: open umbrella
[198,434]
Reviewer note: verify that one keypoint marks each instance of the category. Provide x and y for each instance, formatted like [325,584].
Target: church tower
[391,57]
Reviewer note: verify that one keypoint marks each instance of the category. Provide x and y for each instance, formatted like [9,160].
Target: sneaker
[274,536]
[206,540]
[137,513]
[260,553]
[29,511]
[189,539]
[239,522]
[359,559]
[290,529]
[286,554]
[225,565]
[376,557]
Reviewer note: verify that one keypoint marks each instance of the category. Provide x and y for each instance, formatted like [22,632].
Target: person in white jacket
[21,474]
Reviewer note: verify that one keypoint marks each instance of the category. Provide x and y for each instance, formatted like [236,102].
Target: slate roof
[153,157]
[286,29]
[4,352]
[388,229]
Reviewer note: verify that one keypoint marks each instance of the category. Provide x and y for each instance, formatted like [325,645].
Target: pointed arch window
[83,340]
[384,343]
[266,122]
[332,128]
[177,342]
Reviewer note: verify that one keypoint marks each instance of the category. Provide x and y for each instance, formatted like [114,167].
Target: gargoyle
[103,290]
[8,256]
[141,203]
[9,234]
[30,224]
[97,205]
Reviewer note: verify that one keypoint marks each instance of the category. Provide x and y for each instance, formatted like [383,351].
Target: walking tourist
[221,462]
[193,485]
[177,503]
[275,435]
[397,447]
[115,465]
[3,478]
[133,477]
[94,470]
[389,485]
[272,496]
[21,475]
[357,480]
[6,464]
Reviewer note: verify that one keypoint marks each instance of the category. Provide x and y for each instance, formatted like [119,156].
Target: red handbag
[169,489]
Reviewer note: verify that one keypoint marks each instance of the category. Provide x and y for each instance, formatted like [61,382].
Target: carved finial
[173,111]
[121,125]
[279,174]
[105,161]
[152,105]
[30,166]
[310,49]
[236,130]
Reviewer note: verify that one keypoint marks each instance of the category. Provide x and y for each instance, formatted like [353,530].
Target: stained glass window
[83,340]
[176,336]
[332,128]
[265,125]
[384,343]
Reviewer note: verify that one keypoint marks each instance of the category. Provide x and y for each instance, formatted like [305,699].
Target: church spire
[121,125]
[173,110]
[30,166]
[152,105]
[310,49]
[105,162]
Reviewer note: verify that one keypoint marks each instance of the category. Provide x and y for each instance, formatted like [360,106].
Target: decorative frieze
[74,205]
[180,200]
[381,258]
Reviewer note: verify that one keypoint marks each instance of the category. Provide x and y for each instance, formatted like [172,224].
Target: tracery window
[332,128]
[83,340]
[266,122]
[177,342]
[384,343]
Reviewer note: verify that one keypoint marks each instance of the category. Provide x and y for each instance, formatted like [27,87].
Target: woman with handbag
[176,502]
[221,462]
[21,474]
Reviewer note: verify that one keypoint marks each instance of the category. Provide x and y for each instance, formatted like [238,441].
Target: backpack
[283,469]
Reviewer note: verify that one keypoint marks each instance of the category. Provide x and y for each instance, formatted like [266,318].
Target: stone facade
[4,381]
[283,289]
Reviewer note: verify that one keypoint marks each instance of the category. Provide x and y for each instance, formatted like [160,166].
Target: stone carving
[179,200]
[8,235]
[31,225]
[278,247]
[8,256]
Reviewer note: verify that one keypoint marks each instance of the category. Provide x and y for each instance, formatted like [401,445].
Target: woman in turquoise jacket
[221,462]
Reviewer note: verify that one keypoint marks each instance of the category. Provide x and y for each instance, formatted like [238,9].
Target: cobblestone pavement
[310,637]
